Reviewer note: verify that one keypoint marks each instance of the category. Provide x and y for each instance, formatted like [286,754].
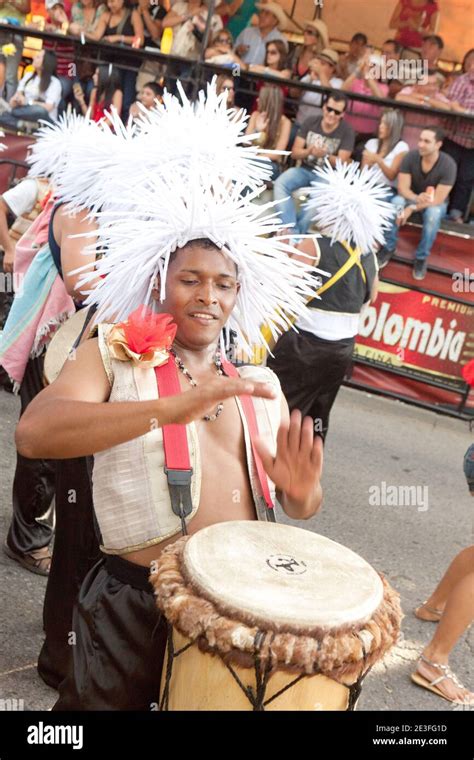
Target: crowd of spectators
[345,118]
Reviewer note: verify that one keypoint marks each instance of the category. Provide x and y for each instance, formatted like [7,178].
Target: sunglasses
[272,51]
[334,110]
[312,32]
[223,40]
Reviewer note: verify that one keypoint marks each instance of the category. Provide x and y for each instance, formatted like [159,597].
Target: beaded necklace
[186,373]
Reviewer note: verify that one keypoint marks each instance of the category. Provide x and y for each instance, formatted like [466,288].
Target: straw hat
[321,28]
[277,11]
[328,55]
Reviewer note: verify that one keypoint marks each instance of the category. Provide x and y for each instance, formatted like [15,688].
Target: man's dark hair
[397,48]
[202,243]
[438,132]
[156,88]
[360,37]
[338,96]
[436,39]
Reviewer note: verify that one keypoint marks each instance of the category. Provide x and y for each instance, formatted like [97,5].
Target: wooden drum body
[264,616]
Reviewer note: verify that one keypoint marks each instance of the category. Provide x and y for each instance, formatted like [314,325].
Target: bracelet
[122,39]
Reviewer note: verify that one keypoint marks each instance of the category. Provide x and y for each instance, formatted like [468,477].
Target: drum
[60,347]
[265,616]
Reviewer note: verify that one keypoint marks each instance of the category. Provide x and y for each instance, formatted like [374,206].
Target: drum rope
[164,704]
[285,688]
[172,655]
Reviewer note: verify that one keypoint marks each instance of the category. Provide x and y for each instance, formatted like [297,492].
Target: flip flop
[431,610]
[37,561]
[433,685]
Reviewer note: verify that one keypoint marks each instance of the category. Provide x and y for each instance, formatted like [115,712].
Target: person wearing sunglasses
[315,39]
[319,137]
[221,52]
[275,61]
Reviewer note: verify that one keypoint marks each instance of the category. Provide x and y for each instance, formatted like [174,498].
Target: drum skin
[250,596]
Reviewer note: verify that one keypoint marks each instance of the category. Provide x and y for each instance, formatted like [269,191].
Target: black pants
[120,642]
[461,192]
[311,371]
[33,484]
[76,550]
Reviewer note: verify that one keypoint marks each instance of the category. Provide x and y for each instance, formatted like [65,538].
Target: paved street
[371,441]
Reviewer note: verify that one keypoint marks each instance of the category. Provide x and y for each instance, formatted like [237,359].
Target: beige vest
[130,489]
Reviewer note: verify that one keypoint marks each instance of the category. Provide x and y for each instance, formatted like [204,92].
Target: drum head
[59,349]
[280,576]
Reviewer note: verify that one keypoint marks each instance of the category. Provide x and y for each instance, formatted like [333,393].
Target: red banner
[417,332]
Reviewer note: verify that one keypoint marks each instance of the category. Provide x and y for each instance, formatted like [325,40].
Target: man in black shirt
[319,137]
[426,178]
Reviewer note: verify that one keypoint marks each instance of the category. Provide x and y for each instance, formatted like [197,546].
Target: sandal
[433,685]
[431,610]
[37,561]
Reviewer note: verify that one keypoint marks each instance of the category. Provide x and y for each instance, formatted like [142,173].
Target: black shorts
[119,641]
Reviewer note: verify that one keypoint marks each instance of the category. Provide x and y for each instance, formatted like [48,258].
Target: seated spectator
[188,21]
[321,72]
[320,137]
[273,125]
[149,95]
[275,62]
[391,52]
[106,93]
[121,25]
[350,61]
[58,21]
[226,82]
[18,10]
[363,117]
[38,94]
[412,19]
[221,52]
[85,15]
[430,52]
[152,15]
[426,178]
[315,39]
[250,45]
[388,149]
[423,94]
[459,143]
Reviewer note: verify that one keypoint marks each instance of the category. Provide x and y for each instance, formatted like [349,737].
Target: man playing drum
[190,246]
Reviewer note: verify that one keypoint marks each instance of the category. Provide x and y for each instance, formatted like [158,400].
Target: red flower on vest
[145,338]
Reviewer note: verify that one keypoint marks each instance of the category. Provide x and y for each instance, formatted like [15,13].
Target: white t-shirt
[400,147]
[29,85]
[310,103]
[21,199]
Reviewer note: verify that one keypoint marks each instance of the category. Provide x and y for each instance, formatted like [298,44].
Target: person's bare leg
[457,616]
[461,565]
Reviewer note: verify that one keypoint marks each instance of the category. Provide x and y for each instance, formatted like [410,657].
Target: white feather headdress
[349,204]
[91,163]
[196,192]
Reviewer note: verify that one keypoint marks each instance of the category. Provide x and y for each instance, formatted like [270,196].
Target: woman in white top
[387,150]
[38,94]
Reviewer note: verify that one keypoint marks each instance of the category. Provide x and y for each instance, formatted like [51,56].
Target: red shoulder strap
[175,441]
[250,416]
